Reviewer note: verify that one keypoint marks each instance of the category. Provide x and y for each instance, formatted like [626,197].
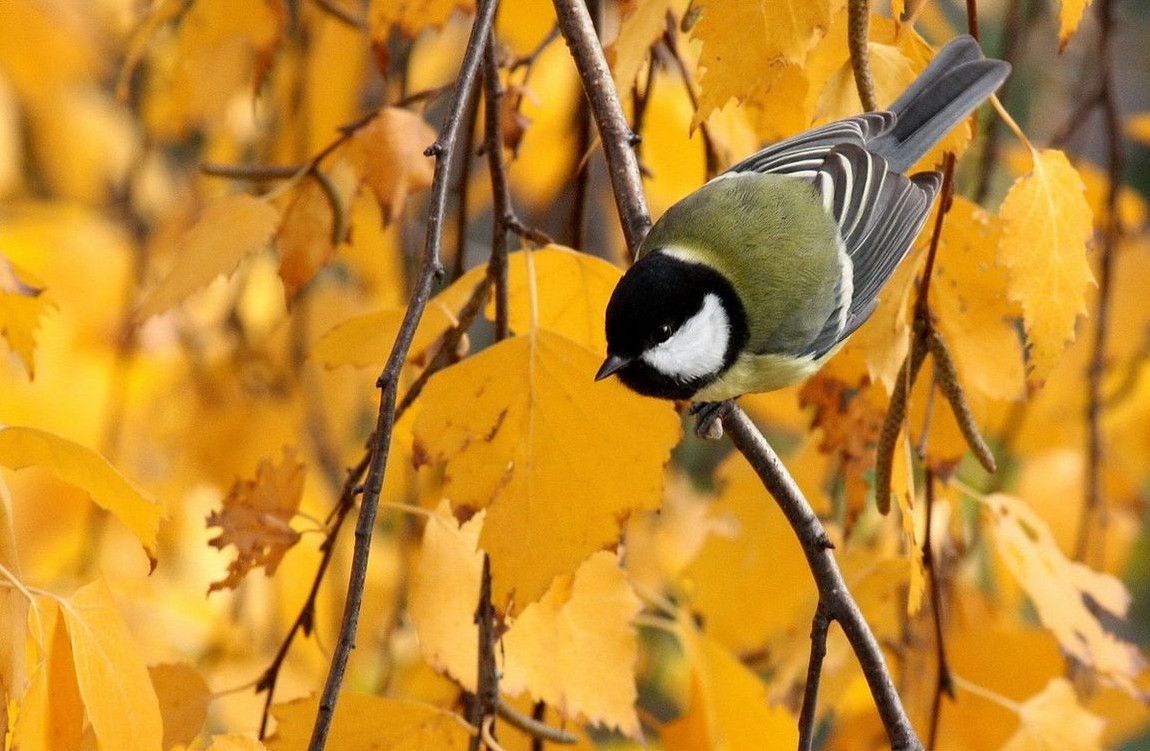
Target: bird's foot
[709,418]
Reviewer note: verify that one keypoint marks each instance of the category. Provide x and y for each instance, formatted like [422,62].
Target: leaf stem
[858,34]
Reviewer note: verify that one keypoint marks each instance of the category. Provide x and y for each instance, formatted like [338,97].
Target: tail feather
[957,80]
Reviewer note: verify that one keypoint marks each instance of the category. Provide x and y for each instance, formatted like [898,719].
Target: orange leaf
[256,519]
[389,153]
[21,305]
[228,230]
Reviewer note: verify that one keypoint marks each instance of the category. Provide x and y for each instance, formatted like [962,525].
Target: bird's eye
[663,333]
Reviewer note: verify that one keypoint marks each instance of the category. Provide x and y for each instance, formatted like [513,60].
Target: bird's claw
[709,418]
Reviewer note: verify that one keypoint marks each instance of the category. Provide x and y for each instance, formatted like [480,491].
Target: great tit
[754,280]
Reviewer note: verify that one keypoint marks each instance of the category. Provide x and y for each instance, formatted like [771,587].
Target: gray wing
[879,213]
[803,155]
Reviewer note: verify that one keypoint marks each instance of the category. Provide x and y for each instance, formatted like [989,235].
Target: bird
[757,278]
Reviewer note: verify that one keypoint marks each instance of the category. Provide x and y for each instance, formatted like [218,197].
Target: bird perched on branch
[757,278]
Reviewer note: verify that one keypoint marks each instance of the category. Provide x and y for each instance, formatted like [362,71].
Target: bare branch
[820,625]
[534,727]
[482,711]
[501,211]
[1095,503]
[834,597]
[622,166]
[858,35]
[431,268]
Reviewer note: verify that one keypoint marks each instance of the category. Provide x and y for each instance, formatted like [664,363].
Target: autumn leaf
[183,696]
[371,723]
[22,303]
[308,236]
[968,298]
[757,560]
[444,593]
[514,429]
[1055,719]
[1061,590]
[641,23]
[235,742]
[51,712]
[87,470]
[256,519]
[110,672]
[558,289]
[758,37]
[552,655]
[1070,15]
[229,229]
[1138,127]
[388,152]
[727,706]
[1046,224]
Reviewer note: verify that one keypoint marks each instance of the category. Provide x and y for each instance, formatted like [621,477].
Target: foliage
[211,221]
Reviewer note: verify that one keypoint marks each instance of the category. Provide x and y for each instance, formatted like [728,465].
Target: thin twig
[947,378]
[305,618]
[944,683]
[534,726]
[502,213]
[616,136]
[820,625]
[431,268]
[482,711]
[1094,507]
[835,598]
[1013,32]
[858,38]
[466,155]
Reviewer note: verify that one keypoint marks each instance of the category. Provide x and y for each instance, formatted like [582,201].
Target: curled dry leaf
[256,519]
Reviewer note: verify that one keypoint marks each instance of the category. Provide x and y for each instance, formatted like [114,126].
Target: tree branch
[820,625]
[858,34]
[622,165]
[1094,504]
[486,704]
[834,597]
[502,214]
[431,268]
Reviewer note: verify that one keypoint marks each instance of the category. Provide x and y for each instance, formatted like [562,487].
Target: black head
[673,327]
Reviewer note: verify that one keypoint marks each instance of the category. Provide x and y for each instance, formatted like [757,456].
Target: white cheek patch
[698,348]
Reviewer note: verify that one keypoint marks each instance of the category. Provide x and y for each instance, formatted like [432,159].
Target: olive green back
[770,236]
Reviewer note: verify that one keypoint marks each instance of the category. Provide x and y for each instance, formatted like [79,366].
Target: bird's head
[674,325]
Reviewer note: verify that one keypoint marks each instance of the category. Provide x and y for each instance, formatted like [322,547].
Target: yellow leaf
[968,299]
[183,695]
[220,51]
[51,713]
[571,291]
[389,154]
[758,38]
[1054,719]
[371,723]
[21,304]
[256,519]
[366,340]
[307,239]
[445,592]
[84,468]
[1060,589]
[110,672]
[642,23]
[517,428]
[1046,224]
[728,708]
[575,648]
[228,230]
[758,561]
[1069,16]
[891,69]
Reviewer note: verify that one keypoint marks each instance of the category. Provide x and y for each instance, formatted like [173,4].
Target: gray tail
[957,80]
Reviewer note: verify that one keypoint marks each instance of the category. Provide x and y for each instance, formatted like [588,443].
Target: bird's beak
[612,364]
